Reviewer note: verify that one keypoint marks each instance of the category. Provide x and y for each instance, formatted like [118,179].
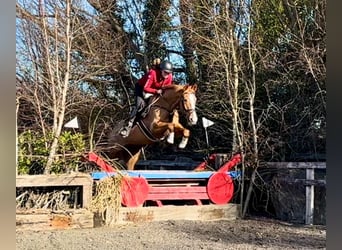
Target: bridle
[183,106]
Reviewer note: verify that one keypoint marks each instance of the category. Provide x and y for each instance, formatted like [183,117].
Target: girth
[146,131]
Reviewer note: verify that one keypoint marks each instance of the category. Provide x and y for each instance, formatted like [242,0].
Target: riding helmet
[166,66]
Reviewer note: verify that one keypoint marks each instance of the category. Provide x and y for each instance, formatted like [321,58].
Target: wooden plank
[310,196]
[48,220]
[166,163]
[303,181]
[176,189]
[128,215]
[75,179]
[177,196]
[172,184]
[178,193]
[157,174]
[314,165]
[169,174]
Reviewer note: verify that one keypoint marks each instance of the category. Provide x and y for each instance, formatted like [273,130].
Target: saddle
[145,110]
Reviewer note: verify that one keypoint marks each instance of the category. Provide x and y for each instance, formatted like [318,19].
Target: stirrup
[124,132]
[144,112]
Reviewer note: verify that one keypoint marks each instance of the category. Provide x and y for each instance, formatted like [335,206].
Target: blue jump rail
[165,174]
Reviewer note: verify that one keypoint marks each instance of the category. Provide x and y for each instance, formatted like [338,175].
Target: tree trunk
[60,101]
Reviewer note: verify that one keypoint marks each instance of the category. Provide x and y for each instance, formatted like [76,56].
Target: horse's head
[188,103]
[183,96]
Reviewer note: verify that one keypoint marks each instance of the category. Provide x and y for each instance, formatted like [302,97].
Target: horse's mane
[174,85]
[171,86]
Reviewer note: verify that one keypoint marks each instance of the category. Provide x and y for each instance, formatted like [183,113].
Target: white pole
[310,195]
[206,137]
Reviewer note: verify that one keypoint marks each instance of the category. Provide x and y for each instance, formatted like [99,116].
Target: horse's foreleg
[185,133]
[169,126]
[175,121]
[171,138]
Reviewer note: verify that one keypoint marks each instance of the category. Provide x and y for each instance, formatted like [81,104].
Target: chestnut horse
[162,120]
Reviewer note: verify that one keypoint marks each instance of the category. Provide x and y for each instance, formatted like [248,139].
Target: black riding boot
[125,131]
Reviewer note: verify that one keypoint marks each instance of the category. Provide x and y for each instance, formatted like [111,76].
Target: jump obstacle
[139,186]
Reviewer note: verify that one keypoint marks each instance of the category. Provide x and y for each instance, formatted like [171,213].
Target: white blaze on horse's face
[190,108]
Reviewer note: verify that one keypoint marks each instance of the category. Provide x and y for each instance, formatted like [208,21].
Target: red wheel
[220,188]
[134,191]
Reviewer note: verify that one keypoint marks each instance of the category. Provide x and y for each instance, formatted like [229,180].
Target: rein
[174,106]
[144,129]
[170,111]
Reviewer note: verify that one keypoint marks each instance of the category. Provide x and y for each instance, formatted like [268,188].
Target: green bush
[33,151]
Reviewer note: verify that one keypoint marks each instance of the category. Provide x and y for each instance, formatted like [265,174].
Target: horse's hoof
[183,143]
[171,138]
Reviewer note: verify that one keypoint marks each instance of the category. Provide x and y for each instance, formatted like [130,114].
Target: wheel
[220,188]
[134,191]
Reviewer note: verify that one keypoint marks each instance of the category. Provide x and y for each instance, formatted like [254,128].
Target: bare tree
[265,68]
[60,57]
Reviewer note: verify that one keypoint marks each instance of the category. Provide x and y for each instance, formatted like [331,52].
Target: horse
[161,121]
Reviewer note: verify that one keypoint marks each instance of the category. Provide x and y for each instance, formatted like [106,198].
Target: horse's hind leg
[133,160]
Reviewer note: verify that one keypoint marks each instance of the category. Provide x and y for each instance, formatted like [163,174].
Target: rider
[149,85]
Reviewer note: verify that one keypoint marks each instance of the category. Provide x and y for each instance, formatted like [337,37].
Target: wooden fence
[86,182]
[309,182]
[63,180]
